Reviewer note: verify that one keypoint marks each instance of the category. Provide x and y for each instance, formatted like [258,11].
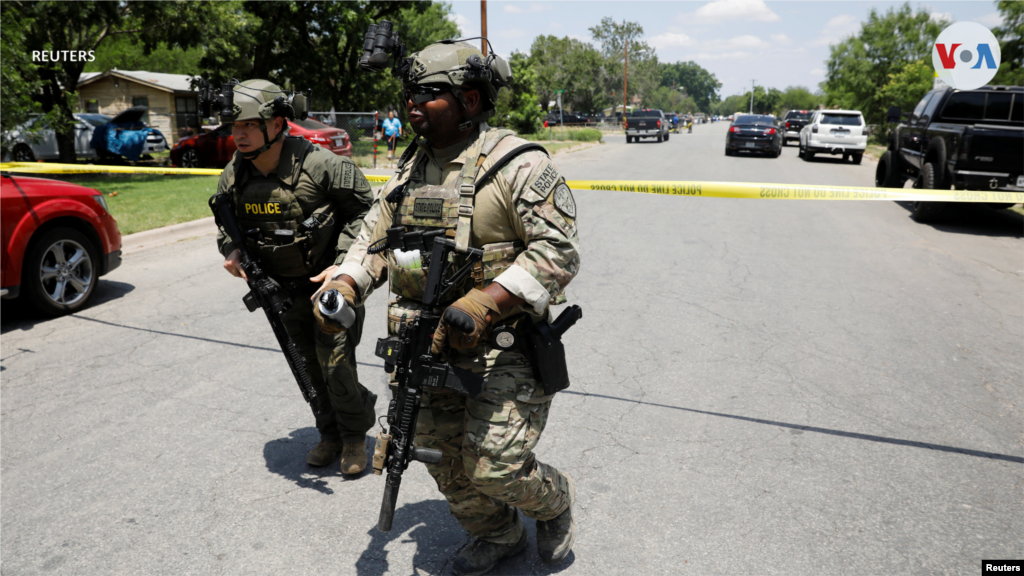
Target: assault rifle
[409,356]
[266,293]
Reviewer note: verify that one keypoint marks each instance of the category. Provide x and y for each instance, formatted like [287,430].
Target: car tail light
[734,129]
[545,123]
[318,139]
[814,129]
[627,124]
[770,131]
[658,123]
[787,125]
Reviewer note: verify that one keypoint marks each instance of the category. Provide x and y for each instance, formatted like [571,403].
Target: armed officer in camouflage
[524,219]
[307,205]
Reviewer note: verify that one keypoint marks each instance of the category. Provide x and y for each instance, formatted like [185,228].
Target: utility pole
[483,26]
[752,96]
[625,83]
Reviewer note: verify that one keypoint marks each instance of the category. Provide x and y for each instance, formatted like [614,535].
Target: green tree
[671,100]
[859,67]
[907,86]
[1011,43]
[567,64]
[700,84]
[799,98]
[644,77]
[19,79]
[733,104]
[87,26]
[517,107]
[126,53]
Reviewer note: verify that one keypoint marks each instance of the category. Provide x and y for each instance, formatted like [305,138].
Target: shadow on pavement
[428,526]
[977,219]
[18,314]
[287,457]
[800,428]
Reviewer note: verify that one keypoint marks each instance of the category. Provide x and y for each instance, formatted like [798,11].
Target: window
[929,110]
[920,106]
[965,106]
[92,106]
[1017,115]
[998,106]
[142,101]
[187,105]
[843,119]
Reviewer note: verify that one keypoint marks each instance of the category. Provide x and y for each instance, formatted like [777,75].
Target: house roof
[159,80]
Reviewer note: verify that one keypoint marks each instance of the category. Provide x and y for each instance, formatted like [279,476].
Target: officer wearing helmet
[522,215]
[301,207]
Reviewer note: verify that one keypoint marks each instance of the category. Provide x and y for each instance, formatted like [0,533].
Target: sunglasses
[424,93]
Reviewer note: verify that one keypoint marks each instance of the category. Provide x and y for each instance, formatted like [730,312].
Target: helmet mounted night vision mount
[252,100]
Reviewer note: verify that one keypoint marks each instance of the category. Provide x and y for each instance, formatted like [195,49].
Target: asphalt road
[759,387]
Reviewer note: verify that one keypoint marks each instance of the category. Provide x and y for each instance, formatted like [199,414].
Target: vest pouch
[288,260]
[322,229]
[498,257]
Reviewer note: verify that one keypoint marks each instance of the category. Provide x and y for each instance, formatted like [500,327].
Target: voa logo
[966,55]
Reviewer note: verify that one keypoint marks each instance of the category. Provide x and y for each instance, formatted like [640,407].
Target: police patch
[348,175]
[563,200]
[236,110]
[427,207]
[544,182]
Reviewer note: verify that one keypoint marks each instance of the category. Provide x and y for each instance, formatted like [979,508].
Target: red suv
[58,239]
[215,149]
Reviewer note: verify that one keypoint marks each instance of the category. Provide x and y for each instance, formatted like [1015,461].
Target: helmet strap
[268,142]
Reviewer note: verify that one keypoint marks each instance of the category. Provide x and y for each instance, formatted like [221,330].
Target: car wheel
[22,153]
[190,159]
[930,180]
[666,137]
[808,155]
[857,158]
[886,174]
[846,158]
[61,271]
[659,138]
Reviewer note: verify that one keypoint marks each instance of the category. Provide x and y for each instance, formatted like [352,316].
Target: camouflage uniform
[531,248]
[309,181]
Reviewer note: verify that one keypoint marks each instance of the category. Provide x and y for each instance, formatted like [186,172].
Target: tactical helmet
[257,99]
[460,65]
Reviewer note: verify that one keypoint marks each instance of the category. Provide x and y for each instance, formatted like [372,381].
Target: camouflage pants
[331,360]
[488,467]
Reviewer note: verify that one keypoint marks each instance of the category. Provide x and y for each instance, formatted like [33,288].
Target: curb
[156,237]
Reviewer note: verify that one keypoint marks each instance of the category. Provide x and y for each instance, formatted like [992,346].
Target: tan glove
[466,321]
[328,326]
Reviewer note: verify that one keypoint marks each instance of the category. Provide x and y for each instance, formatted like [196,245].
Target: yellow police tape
[669,188]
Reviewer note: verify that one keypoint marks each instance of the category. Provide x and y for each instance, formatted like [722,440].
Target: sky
[777,44]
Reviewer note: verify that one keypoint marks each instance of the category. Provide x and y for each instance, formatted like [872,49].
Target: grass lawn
[144,202]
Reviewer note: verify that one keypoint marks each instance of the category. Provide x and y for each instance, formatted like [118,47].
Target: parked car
[965,139]
[793,122]
[754,133]
[43,146]
[565,119]
[647,123]
[58,239]
[834,132]
[216,148]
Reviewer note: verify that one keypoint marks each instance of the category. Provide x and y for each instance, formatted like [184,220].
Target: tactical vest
[269,206]
[448,206]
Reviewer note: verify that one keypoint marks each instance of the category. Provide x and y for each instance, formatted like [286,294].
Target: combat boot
[480,557]
[556,536]
[324,453]
[353,458]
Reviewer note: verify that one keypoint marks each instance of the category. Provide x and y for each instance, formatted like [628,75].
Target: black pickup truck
[793,122]
[964,139]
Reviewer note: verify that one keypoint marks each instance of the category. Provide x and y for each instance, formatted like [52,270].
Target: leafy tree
[859,67]
[517,106]
[19,79]
[1011,43]
[733,104]
[799,98]
[86,26]
[671,100]
[567,64]
[907,86]
[126,53]
[700,84]
[644,77]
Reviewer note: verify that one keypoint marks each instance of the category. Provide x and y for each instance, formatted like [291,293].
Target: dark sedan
[754,133]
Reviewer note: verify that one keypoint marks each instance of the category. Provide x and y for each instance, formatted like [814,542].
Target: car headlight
[102,202]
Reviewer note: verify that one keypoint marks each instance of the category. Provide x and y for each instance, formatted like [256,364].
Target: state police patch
[563,200]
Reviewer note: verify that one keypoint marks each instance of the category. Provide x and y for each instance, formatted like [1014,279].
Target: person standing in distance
[392,131]
[307,204]
[523,217]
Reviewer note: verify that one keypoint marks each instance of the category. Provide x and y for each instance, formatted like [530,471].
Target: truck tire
[930,179]
[857,158]
[61,271]
[666,136]
[886,174]
[22,153]
[660,138]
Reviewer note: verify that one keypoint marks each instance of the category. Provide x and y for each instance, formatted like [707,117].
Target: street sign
[560,91]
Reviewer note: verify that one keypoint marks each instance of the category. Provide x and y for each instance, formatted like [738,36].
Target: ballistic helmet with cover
[258,100]
[460,65]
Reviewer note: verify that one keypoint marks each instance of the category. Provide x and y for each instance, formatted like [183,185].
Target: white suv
[834,132]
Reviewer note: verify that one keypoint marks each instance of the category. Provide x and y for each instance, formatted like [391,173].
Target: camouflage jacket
[526,200]
[307,179]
